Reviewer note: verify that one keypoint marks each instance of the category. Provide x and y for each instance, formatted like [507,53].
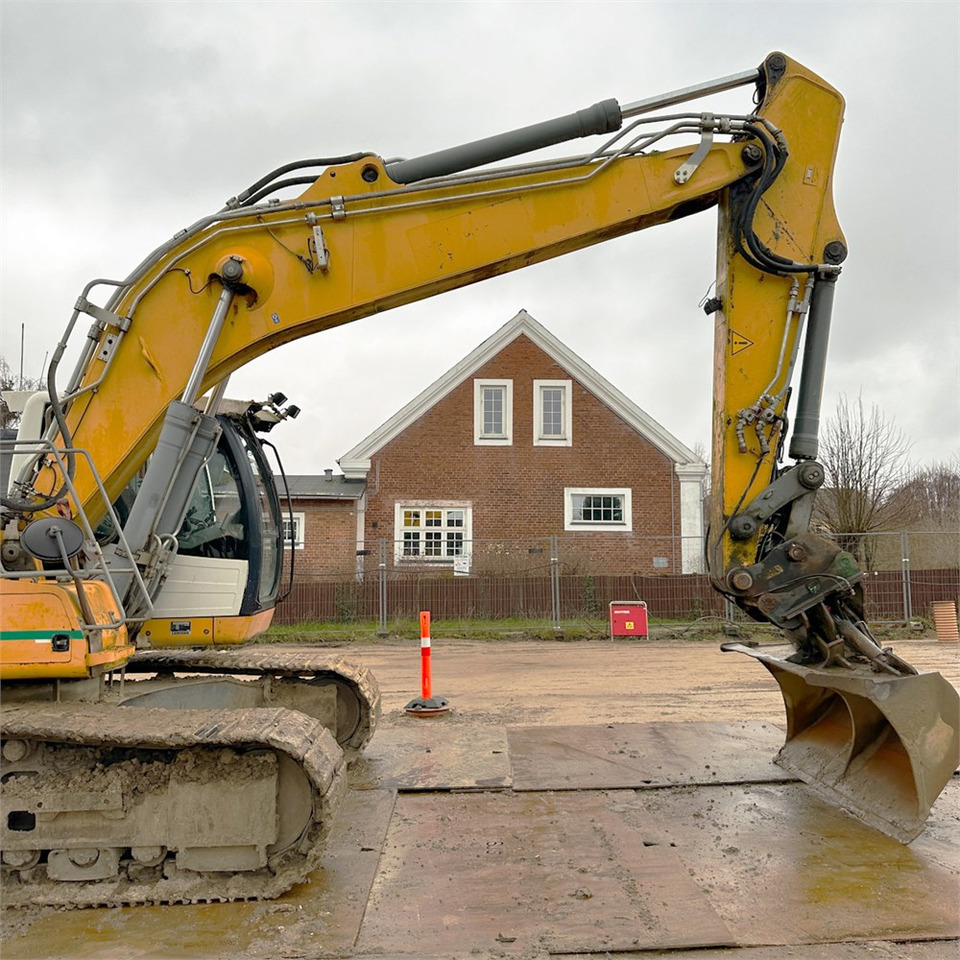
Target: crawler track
[130,752]
[357,691]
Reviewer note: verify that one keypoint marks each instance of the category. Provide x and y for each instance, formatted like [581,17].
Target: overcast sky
[124,122]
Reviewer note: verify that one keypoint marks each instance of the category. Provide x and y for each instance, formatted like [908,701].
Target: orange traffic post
[426,705]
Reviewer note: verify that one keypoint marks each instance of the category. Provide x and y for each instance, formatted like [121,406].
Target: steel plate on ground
[435,755]
[330,907]
[637,755]
[782,867]
[521,873]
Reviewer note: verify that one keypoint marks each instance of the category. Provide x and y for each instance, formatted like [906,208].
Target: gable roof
[356,462]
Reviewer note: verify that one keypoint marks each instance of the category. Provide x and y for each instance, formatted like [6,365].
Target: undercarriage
[109,806]
[220,785]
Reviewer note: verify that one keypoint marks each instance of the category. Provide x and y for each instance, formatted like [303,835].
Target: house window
[599,508]
[294,525]
[493,412]
[432,533]
[552,413]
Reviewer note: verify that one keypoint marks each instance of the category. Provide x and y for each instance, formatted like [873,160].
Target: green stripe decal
[39,634]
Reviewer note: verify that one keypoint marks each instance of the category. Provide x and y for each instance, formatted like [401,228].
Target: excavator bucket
[880,746]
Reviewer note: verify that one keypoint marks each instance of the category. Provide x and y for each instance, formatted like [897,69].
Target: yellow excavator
[147,755]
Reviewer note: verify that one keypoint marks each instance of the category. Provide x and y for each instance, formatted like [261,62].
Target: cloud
[123,122]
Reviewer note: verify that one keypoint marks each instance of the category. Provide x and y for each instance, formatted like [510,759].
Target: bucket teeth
[881,747]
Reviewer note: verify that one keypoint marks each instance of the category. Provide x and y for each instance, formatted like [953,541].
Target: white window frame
[299,527]
[480,438]
[566,438]
[400,555]
[624,526]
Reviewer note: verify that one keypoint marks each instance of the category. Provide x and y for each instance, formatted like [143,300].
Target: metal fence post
[382,585]
[905,573]
[555,584]
[730,614]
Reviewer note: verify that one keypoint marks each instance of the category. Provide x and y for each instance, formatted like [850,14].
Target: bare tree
[700,449]
[865,459]
[9,381]
[933,495]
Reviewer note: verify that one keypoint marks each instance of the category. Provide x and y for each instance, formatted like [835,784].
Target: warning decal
[738,343]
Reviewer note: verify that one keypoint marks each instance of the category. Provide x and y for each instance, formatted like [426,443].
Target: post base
[432,707]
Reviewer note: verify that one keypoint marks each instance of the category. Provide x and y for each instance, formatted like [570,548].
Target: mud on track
[445,850]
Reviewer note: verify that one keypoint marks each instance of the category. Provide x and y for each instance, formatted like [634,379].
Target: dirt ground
[513,827]
[603,681]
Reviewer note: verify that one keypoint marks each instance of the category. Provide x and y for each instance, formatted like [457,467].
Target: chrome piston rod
[694,92]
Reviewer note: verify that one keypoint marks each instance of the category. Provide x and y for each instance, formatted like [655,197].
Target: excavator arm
[257,275]
[367,235]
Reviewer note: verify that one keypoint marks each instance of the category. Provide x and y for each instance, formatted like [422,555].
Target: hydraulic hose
[760,256]
[289,499]
[275,186]
[247,196]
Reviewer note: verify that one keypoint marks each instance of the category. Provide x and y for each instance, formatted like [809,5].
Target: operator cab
[224,582]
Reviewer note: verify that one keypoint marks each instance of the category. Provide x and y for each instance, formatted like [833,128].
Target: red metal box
[628,619]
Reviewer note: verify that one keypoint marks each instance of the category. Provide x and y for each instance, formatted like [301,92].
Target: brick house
[324,511]
[521,441]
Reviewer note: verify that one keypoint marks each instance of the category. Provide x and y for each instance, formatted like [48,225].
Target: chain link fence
[553,580]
